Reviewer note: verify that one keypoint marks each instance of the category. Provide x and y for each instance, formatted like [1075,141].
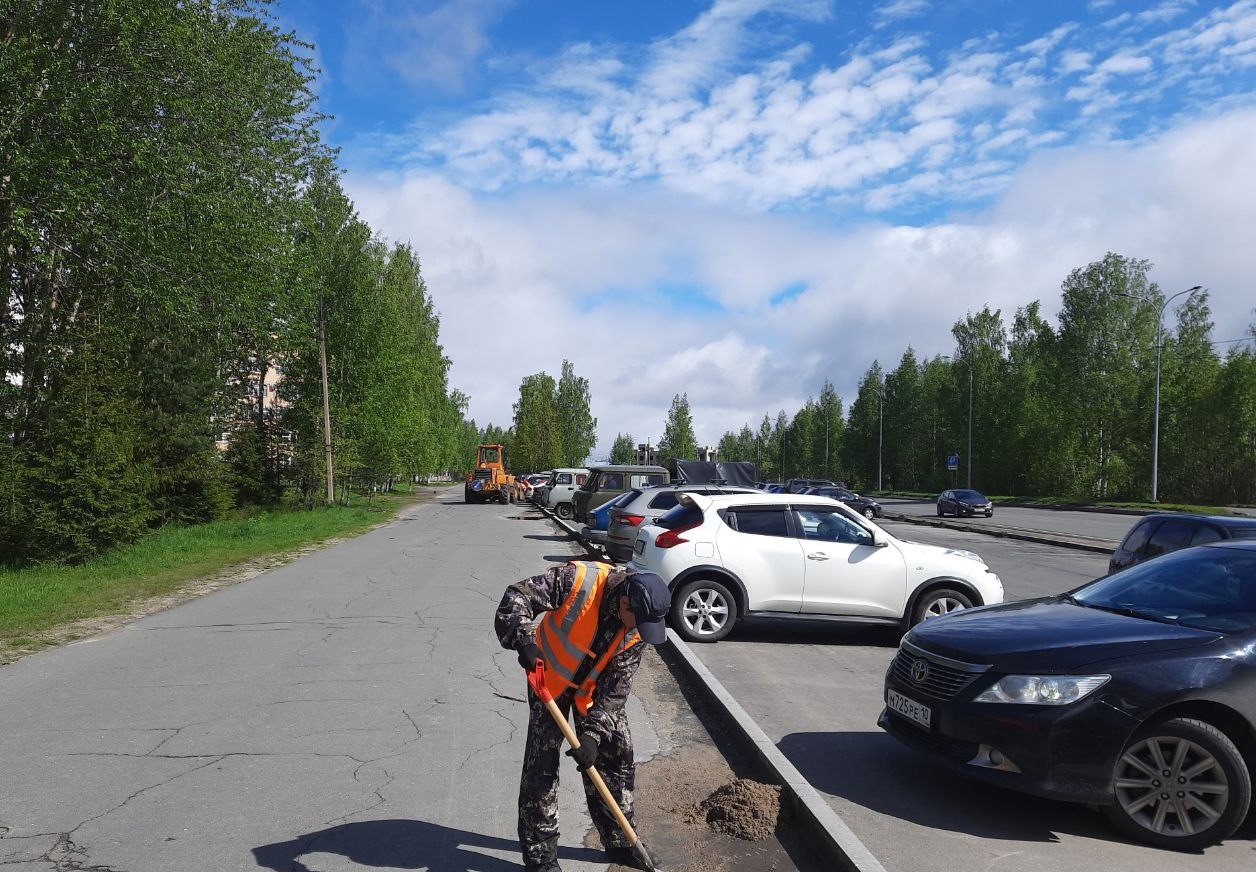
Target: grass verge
[35,600]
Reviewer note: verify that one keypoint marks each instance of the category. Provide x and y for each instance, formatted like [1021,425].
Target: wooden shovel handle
[594,775]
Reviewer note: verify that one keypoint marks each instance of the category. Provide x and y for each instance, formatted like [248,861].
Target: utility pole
[322,360]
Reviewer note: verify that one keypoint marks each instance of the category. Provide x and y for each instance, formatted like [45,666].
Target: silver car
[645,505]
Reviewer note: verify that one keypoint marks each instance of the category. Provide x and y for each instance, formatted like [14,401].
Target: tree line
[173,229]
[1065,410]
[552,426]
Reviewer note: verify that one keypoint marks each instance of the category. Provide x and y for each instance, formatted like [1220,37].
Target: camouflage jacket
[515,623]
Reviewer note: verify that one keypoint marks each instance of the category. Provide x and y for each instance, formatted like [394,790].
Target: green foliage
[576,425]
[537,440]
[678,440]
[623,449]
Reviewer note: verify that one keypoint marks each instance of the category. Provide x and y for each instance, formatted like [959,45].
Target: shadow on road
[875,771]
[403,844]
[803,632]
[552,537]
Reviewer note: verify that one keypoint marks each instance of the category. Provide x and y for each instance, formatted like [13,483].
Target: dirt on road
[700,806]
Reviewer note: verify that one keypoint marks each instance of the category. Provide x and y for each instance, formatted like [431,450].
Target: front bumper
[1060,752]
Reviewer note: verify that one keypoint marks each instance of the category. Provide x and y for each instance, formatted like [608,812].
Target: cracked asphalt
[302,720]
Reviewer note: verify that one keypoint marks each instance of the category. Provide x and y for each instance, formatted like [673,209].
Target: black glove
[586,754]
[528,655]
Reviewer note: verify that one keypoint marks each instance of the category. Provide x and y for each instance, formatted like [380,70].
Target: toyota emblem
[919,671]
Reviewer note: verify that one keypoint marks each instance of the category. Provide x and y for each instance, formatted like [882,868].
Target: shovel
[536,678]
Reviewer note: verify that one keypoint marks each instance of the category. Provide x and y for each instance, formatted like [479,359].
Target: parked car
[1135,693]
[1161,533]
[796,485]
[864,506]
[648,504]
[963,501]
[526,485]
[789,556]
[607,482]
[595,531]
[559,494]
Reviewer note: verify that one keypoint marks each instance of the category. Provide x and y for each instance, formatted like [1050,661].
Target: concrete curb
[1097,546]
[826,832]
[823,827]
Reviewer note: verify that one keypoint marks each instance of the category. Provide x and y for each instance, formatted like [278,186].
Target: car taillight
[672,538]
[631,520]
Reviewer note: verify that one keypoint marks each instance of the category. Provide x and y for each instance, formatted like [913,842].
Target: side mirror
[879,539]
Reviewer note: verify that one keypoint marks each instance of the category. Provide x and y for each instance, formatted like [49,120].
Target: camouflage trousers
[538,787]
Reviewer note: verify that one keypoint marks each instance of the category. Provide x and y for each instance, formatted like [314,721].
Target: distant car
[962,501]
[730,556]
[1135,693]
[526,485]
[864,506]
[646,505]
[1163,532]
[796,485]
[595,532]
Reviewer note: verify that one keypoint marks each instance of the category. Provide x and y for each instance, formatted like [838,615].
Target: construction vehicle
[489,480]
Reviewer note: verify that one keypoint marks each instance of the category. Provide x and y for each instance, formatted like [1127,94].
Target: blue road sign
[952,461]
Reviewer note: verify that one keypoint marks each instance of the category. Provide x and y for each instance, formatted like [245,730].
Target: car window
[563,478]
[665,500]
[1201,587]
[827,526]
[1243,532]
[581,478]
[680,516]
[765,521]
[1205,534]
[1137,537]
[648,479]
[611,481]
[1170,536]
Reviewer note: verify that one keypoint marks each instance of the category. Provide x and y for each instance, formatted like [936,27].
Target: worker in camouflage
[635,602]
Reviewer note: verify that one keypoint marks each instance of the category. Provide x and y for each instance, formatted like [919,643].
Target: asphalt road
[816,692]
[349,710]
[1106,527]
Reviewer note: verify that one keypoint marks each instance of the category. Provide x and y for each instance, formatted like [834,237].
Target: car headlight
[971,555]
[1042,689]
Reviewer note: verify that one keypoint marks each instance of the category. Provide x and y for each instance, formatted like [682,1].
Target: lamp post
[880,430]
[968,363]
[1155,424]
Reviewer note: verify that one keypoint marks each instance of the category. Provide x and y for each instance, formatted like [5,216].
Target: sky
[741,199]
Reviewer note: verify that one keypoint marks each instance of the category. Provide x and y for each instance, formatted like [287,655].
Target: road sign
[952,461]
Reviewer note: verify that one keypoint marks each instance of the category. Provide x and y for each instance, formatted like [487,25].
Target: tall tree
[623,449]
[576,424]
[536,437]
[678,440]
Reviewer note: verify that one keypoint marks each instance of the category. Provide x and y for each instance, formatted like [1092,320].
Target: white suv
[796,556]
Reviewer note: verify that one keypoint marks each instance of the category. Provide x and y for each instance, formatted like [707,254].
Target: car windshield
[969,495]
[1206,587]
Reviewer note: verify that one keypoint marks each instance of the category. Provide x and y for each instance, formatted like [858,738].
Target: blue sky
[742,198]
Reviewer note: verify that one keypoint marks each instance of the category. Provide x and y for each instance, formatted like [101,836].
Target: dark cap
[650,601]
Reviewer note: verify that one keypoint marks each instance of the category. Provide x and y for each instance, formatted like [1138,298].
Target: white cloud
[899,10]
[428,44]
[584,268]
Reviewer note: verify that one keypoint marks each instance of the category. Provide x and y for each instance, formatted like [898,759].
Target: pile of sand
[745,809]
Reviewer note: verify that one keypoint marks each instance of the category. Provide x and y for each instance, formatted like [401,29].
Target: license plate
[638,547]
[916,712]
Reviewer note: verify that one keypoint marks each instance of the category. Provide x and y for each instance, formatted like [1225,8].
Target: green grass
[36,599]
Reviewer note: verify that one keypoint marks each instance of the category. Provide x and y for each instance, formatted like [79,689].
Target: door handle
[817,555]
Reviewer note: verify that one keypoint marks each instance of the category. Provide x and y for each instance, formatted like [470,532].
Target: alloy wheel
[943,605]
[704,611]
[1171,786]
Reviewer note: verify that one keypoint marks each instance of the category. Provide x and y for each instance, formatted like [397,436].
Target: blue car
[595,533]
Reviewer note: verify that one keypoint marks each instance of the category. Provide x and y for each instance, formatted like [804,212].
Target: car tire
[939,601]
[940,512]
[703,610]
[1182,745]
[870,513]
[563,510]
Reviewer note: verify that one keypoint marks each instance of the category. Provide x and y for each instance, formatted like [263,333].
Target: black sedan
[1135,693]
[864,506]
[962,501]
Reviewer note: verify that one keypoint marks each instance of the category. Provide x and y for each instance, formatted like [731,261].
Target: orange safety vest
[565,634]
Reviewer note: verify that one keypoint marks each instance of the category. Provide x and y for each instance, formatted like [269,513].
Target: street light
[1155,425]
[967,363]
[880,429]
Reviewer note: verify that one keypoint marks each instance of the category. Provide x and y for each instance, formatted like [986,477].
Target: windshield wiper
[1133,612]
